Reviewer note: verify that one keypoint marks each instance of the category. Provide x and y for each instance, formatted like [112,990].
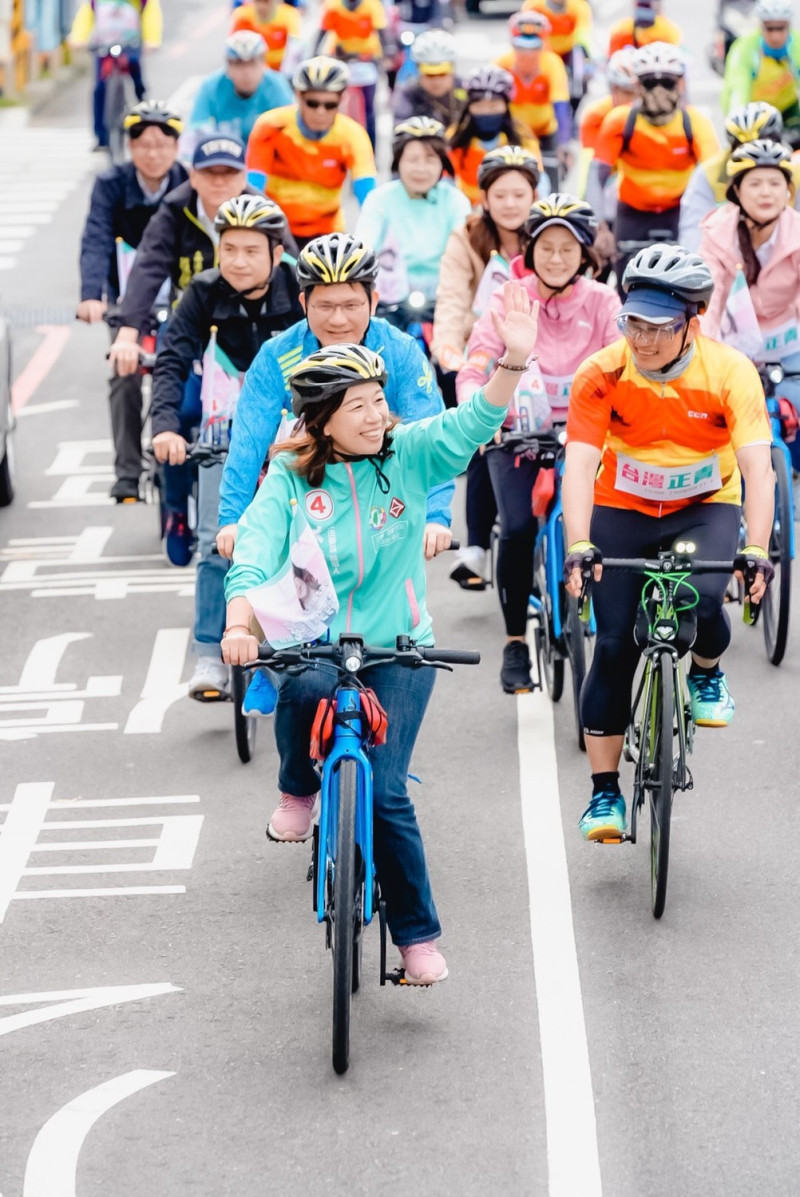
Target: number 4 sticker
[319,505]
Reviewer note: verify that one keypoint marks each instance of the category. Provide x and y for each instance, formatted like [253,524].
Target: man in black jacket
[123,201]
[225,313]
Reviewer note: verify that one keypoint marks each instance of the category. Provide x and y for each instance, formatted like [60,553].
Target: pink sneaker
[424,963]
[293,820]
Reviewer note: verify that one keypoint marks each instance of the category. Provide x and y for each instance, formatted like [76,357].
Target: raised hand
[518,324]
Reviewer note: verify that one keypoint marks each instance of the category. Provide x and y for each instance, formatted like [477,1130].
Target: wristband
[244,627]
[581,546]
[754,550]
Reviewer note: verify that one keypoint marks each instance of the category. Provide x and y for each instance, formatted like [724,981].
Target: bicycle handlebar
[351,655]
[668,565]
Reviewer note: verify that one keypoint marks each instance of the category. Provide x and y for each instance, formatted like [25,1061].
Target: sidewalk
[40,92]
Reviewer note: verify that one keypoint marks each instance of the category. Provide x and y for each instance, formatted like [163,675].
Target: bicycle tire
[577,640]
[344,879]
[777,601]
[116,105]
[244,728]
[550,660]
[660,788]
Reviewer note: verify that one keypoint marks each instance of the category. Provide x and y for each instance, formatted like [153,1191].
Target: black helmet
[152,112]
[336,258]
[251,212]
[565,210]
[330,371]
[503,159]
[673,269]
[421,128]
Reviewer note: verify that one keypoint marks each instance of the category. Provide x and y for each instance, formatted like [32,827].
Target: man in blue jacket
[124,199]
[232,100]
[336,274]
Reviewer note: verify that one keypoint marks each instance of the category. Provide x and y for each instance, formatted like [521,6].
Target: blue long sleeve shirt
[411,393]
[219,106]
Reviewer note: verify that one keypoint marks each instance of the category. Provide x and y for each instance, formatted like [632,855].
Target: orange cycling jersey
[305,178]
[668,444]
[276,33]
[533,99]
[655,168]
[568,28]
[592,117]
[355,30]
[623,34]
[467,160]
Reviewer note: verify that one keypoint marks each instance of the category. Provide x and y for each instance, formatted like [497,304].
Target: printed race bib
[668,484]
[781,341]
[558,388]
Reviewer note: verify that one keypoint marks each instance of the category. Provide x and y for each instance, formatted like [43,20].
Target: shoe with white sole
[211,681]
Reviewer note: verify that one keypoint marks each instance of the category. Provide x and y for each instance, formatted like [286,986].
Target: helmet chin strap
[680,353]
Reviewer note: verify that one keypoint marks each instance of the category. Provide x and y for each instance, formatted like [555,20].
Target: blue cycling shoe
[604,817]
[712,704]
[260,696]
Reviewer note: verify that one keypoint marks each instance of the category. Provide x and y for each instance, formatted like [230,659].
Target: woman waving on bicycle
[577,317]
[362,478]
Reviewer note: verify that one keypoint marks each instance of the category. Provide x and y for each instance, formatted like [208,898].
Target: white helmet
[658,58]
[619,71]
[433,47]
[774,10]
[245,46]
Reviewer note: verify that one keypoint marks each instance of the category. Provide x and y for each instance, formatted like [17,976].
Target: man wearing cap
[664,425]
[231,100]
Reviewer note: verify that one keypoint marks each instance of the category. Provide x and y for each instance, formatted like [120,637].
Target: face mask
[489,126]
[659,105]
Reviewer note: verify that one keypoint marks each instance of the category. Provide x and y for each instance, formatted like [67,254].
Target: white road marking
[47,409]
[122,891]
[61,702]
[572,1151]
[63,1002]
[53,1162]
[163,685]
[20,832]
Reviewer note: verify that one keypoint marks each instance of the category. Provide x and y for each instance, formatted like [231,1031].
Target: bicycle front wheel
[344,881]
[550,659]
[244,727]
[661,714]
[777,601]
[579,647]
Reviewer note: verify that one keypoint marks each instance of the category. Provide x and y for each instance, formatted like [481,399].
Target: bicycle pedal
[397,976]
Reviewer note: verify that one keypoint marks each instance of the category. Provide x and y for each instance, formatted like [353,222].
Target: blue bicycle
[346,892]
[777,601]
[558,634]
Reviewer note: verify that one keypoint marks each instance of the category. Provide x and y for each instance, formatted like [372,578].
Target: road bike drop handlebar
[350,655]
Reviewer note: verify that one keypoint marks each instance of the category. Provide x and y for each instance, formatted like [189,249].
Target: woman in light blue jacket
[362,480]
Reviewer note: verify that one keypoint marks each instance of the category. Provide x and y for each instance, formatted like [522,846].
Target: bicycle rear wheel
[580,646]
[244,727]
[344,881]
[550,659]
[661,718]
[119,90]
[776,603]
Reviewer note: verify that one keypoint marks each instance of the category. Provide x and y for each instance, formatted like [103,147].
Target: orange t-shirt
[663,30]
[571,27]
[666,445]
[592,117]
[276,33]
[533,99]
[655,169]
[467,160]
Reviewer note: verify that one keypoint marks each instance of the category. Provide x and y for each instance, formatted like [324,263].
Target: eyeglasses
[637,330]
[649,82]
[351,308]
[328,105]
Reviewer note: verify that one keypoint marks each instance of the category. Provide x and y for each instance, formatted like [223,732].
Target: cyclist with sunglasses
[654,144]
[303,153]
[765,64]
[663,426]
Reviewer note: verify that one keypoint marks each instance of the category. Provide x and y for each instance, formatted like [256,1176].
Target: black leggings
[512,481]
[481,503]
[714,528]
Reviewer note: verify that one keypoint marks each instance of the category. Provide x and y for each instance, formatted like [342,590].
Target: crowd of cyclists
[348,347]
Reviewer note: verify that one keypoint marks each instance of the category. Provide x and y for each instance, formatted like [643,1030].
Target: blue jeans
[209,594]
[178,478]
[399,854]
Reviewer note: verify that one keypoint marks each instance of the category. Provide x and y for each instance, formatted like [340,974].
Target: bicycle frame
[347,743]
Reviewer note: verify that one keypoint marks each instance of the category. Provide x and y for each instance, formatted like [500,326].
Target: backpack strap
[630,125]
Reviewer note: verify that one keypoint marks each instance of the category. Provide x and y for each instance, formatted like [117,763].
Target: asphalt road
[165,989]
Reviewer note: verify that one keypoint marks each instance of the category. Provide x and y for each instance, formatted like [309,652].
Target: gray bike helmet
[330,371]
[673,269]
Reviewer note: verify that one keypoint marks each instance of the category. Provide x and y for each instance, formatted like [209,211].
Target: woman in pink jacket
[577,316]
[758,233]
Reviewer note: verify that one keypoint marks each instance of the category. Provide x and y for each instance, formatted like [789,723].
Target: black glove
[751,561]
[582,555]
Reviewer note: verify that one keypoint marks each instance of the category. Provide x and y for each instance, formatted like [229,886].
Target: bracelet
[244,626]
[514,369]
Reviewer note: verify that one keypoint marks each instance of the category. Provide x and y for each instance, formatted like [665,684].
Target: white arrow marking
[53,1163]
[74,1001]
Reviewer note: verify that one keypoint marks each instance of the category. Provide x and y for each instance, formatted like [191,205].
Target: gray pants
[125,398]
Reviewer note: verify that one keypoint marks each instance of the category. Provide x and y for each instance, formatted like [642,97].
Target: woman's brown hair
[484,238]
[313,449]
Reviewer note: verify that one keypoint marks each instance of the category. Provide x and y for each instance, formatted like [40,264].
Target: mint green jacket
[371,536]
